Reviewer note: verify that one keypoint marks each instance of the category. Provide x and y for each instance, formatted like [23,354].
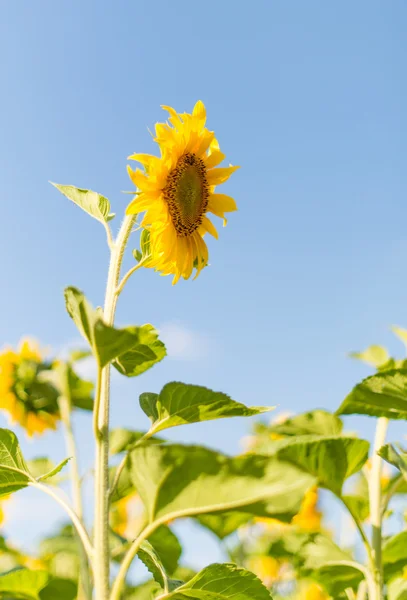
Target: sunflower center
[186,193]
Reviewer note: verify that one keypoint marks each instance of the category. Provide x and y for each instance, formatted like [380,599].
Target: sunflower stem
[65,407]
[376,515]
[102,551]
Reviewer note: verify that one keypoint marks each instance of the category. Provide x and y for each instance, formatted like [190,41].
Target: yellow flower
[309,517]
[29,401]
[177,190]
[266,568]
[126,515]
[315,592]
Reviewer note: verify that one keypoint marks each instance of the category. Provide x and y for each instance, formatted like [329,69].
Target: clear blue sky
[308,97]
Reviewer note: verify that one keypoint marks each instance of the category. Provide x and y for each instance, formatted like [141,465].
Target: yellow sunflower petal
[214,159]
[220,175]
[218,204]
[199,112]
[208,226]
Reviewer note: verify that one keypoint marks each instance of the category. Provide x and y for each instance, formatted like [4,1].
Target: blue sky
[308,97]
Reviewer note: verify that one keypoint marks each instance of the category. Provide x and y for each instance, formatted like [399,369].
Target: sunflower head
[176,191]
[27,397]
[309,517]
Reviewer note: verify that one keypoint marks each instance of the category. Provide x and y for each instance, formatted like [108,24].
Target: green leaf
[145,247]
[401,334]
[14,474]
[96,205]
[359,505]
[180,403]
[55,470]
[397,589]
[395,555]
[221,582]
[331,459]
[147,352]
[124,486]
[381,395]
[224,524]
[375,356]
[133,349]
[144,591]
[316,422]
[176,481]
[398,460]
[22,583]
[78,355]
[166,544]
[325,562]
[123,440]
[61,589]
[152,561]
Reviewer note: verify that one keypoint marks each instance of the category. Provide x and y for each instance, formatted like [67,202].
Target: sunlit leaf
[331,459]
[381,395]
[316,422]
[181,403]
[395,555]
[179,481]
[96,205]
[221,582]
[375,356]
[329,565]
[133,349]
[55,470]
[22,583]
[14,474]
[395,458]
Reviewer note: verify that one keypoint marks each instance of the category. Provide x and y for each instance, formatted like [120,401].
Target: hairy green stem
[375,498]
[65,407]
[102,552]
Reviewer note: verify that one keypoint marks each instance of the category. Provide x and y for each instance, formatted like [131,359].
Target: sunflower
[29,400]
[309,517]
[177,190]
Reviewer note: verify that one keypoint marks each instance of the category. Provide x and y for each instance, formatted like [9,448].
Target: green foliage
[24,584]
[96,205]
[331,459]
[180,403]
[59,589]
[223,582]
[133,349]
[381,395]
[395,458]
[327,564]
[179,481]
[316,422]
[154,564]
[146,353]
[375,356]
[55,470]
[14,474]
[225,523]
[395,555]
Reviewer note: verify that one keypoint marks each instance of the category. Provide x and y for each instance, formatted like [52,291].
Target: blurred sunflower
[314,592]
[309,517]
[126,515]
[29,400]
[177,190]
